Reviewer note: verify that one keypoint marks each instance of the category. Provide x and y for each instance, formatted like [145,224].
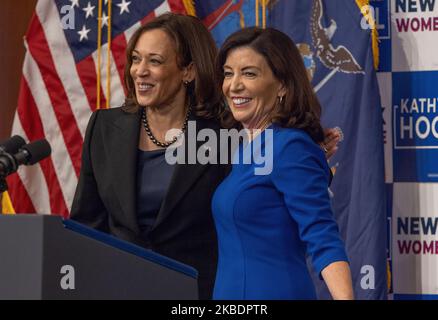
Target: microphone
[33,152]
[12,145]
[27,155]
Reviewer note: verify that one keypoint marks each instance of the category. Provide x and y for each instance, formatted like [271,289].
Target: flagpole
[257,12]
[108,66]
[99,44]
[264,14]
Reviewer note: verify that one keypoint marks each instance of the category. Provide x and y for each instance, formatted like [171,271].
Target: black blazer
[105,197]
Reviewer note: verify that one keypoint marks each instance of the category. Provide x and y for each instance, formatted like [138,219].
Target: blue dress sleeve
[301,174]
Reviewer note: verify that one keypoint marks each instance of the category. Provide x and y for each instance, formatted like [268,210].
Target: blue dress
[267,223]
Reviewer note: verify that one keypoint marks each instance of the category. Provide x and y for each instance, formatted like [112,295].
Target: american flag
[58,89]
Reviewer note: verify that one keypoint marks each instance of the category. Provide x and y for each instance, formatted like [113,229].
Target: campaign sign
[415,126]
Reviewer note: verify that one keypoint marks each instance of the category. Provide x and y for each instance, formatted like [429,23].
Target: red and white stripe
[50,129]
[64,62]
[28,186]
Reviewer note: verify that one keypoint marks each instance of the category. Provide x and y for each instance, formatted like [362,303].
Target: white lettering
[407,127]
[367,282]
[68,281]
[404,106]
[422,135]
[68,20]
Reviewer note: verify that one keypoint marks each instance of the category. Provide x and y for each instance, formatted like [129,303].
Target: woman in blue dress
[269,217]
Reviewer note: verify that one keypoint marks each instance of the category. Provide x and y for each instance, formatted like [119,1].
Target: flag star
[74,3]
[89,10]
[124,6]
[84,33]
[104,20]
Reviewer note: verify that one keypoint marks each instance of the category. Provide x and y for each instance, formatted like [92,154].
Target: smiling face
[250,87]
[158,80]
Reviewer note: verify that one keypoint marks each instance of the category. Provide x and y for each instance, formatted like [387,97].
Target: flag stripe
[39,103]
[163,8]
[31,179]
[118,48]
[20,199]
[146,19]
[176,6]
[40,50]
[63,61]
[215,17]
[129,32]
[33,127]
[88,76]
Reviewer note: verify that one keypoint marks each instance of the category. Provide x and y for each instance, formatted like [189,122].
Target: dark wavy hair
[193,43]
[300,107]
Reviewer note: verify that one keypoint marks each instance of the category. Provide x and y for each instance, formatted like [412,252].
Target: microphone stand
[3,184]
[3,175]
[3,188]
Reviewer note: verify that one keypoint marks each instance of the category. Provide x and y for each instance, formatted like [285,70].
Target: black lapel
[121,145]
[184,176]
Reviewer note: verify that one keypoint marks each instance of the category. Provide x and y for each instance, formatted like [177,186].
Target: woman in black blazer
[125,187]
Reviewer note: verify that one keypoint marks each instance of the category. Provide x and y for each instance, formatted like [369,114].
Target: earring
[281,99]
[186,83]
